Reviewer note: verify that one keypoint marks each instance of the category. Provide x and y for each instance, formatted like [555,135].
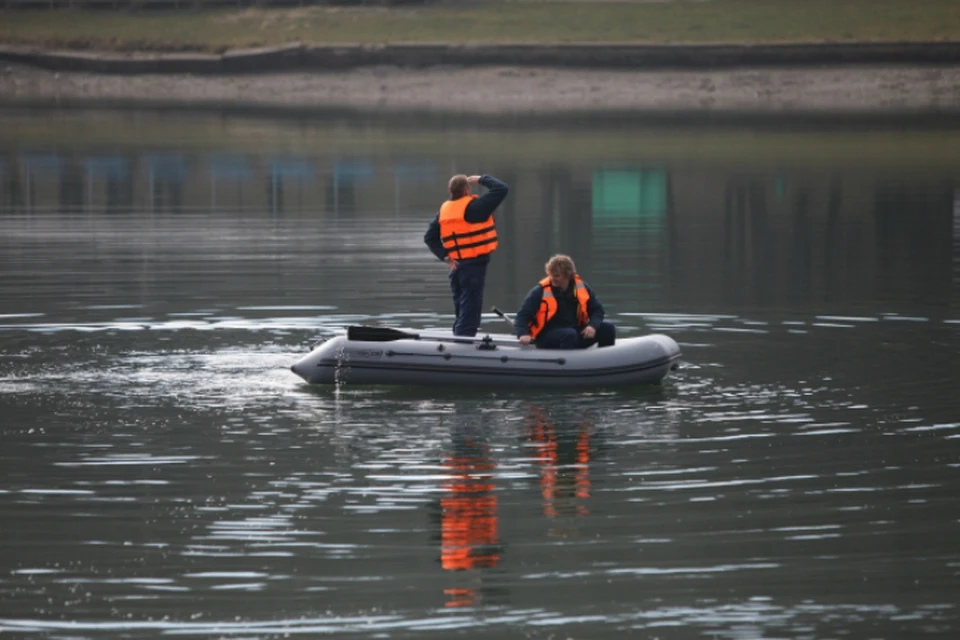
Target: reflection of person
[468,527]
[469,538]
[562,312]
[564,463]
[463,235]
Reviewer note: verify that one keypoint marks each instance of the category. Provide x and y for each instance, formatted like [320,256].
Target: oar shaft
[505,317]
[364,333]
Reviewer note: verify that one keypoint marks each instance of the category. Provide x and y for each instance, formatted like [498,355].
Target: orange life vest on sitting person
[548,305]
[464,240]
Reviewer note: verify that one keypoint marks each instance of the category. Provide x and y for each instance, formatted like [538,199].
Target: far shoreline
[906,80]
[867,91]
[299,57]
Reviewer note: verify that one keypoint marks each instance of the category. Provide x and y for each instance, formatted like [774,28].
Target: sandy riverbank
[514,90]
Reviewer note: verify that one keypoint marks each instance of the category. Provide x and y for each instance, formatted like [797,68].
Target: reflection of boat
[381,355]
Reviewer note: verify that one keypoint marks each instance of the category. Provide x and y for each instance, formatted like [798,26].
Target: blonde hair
[563,264]
[458,186]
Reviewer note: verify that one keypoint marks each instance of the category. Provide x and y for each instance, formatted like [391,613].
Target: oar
[366,333]
[378,334]
[505,317]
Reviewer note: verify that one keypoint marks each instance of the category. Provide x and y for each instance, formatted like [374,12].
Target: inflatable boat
[386,356]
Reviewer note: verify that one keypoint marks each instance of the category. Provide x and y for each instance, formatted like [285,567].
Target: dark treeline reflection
[655,232]
[178,182]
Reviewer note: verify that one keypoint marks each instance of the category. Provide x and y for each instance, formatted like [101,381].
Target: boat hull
[493,361]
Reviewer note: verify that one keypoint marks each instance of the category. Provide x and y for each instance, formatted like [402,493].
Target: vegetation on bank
[490,21]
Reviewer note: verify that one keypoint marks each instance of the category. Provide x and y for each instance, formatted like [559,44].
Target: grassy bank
[520,21]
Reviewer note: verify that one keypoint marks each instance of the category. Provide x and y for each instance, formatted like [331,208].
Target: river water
[163,473]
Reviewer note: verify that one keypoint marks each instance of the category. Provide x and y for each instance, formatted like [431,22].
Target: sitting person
[562,312]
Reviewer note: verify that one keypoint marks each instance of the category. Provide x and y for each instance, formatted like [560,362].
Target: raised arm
[483,207]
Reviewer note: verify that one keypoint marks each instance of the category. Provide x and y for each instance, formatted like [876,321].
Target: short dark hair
[458,186]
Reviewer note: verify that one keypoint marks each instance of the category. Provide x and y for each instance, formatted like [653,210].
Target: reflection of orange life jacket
[583,466]
[548,305]
[544,435]
[462,239]
[469,516]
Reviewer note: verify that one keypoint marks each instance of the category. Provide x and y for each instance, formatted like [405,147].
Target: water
[164,473]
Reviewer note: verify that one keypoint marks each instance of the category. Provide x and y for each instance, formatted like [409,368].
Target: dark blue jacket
[477,211]
[566,315]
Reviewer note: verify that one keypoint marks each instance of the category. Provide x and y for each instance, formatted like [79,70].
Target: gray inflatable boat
[386,356]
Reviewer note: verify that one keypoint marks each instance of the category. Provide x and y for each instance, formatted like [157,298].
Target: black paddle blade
[378,334]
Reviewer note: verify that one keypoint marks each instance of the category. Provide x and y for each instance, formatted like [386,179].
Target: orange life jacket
[462,239]
[548,305]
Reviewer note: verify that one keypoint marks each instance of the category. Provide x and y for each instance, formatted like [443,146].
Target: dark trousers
[466,284]
[570,338]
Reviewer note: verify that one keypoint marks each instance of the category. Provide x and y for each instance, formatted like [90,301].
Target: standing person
[562,312]
[463,235]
